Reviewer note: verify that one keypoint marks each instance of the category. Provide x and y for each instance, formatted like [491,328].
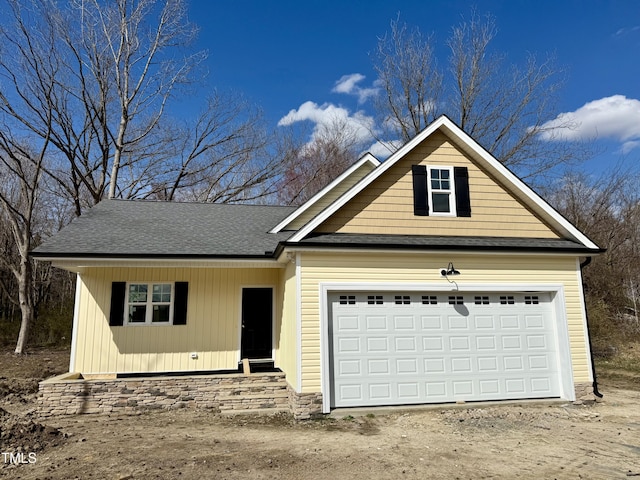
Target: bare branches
[311,166]
[410,81]
[502,106]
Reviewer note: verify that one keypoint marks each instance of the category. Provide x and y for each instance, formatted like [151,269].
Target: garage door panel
[404,322]
[378,366]
[431,323]
[484,322]
[456,322]
[349,345]
[376,323]
[348,323]
[349,367]
[457,344]
[377,345]
[509,322]
[489,387]
[404,348]
[408,391]
[406,344]
[487,364]
[380,391]
[434,365]
[534,322]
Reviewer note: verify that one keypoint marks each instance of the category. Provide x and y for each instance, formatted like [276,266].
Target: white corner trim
[368,157]
[76,321]
[480,153]
[298,261]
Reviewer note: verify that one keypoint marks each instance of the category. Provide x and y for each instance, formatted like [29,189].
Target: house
[436,276]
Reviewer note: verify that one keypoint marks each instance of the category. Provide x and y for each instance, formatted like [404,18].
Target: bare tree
[220,157]
[311,166]
[503,107]
[410,80]
[21,168]
[607,209]
[88,83]
[116,65]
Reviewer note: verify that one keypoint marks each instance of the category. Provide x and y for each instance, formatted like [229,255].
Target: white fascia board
[527,194]
[368,157]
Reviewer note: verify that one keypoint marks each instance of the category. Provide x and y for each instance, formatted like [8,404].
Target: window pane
[444,185]
[137,313]
[441,202]
[160,313]
[435,184]
[161,293]
[137,292]
[444,174]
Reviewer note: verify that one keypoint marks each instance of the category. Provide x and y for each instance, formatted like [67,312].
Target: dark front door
[257,323]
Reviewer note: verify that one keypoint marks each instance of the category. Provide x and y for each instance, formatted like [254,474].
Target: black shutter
[118,292]
[420,203]
[463,201]
[181,291]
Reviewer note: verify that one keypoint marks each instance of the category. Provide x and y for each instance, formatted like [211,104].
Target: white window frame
[451,191]
[149,304]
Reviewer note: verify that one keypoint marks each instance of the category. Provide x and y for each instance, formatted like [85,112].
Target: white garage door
[394,348]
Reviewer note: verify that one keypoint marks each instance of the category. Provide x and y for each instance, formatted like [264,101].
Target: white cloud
[626,31]
[628,146]
[348,84]
[327,114]
[616,118]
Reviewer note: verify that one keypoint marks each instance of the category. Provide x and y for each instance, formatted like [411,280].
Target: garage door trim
[556,292]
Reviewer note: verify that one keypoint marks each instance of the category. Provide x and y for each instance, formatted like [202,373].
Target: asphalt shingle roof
[169,229]
[146,229]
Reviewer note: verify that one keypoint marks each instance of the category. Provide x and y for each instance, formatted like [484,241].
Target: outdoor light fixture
[450,270]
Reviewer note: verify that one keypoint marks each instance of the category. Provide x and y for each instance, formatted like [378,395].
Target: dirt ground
[598,441]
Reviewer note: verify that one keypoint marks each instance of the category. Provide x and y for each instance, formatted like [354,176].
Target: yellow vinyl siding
[287,334]
[424,269]
[386,205]
[330,196]
[212,329]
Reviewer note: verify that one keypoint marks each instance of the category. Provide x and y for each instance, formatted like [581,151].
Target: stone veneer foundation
[70,394]
[584,392]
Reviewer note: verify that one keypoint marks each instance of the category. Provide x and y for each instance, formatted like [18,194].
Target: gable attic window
[441,194]
[441,191]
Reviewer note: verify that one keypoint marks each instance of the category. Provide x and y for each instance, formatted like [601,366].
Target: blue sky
[289,56]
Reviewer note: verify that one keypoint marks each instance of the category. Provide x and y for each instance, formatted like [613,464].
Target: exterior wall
[424,269]
[212,329]
[386,205]
[287,334]
[331,196]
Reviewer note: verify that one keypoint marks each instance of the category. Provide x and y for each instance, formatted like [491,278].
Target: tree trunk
[26,304]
